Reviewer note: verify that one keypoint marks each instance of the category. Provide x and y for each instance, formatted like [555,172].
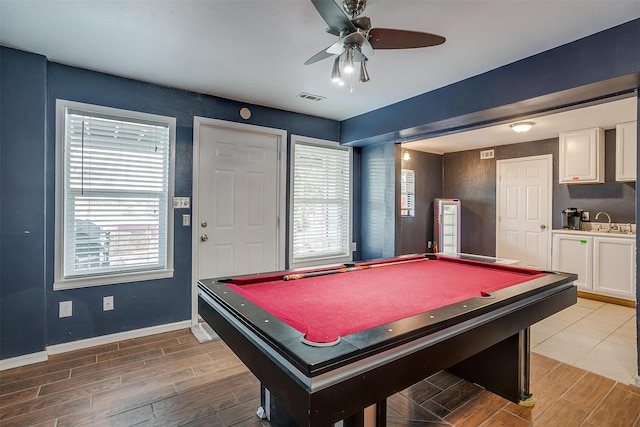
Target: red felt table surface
[327,307]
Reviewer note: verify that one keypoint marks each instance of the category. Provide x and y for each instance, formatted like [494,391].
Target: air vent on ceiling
[311,97]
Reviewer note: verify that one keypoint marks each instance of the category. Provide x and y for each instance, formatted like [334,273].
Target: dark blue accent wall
[378,195]
[22,201]
[29,305]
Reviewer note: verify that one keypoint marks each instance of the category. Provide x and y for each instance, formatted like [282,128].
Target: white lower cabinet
[574,254]
[614,267]
[604,265]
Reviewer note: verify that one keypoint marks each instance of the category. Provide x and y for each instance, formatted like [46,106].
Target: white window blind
[115,206]
[321,202]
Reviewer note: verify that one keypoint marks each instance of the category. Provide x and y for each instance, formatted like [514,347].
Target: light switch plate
[181,202]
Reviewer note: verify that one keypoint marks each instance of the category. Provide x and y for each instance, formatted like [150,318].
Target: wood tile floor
[170,379]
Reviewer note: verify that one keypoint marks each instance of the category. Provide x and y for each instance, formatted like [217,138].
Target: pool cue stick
[296,276]
[386,264]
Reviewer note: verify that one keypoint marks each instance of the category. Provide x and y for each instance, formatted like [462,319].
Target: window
[114,174]
[407,193]
[321,202]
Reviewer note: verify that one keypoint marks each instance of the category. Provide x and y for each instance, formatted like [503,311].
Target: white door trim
[549,214]
[281,135]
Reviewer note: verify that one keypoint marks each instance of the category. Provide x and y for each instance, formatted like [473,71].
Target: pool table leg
[524,359]
[374,415]
[356,420]
[503,368]
[381,413]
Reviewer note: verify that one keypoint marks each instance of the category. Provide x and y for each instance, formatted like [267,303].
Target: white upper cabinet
[626,146]
[582,156]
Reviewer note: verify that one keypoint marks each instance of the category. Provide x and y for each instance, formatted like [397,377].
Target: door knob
[204,224]
[543,227]
[204,237]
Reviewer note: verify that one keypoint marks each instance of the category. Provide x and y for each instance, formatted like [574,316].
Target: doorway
[523,210]
[239,174]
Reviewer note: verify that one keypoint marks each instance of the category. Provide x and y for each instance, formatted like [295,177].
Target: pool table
[328,343]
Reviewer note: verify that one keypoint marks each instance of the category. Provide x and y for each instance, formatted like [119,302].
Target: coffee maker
[572,218]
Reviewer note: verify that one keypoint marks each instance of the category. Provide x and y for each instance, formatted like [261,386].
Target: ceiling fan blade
[334,17]
[323,54]
[386,38]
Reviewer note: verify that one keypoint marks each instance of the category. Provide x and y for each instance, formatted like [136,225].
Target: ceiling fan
[357,40]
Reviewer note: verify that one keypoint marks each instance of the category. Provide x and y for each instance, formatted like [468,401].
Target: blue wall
[22,202]
[378,195]
[29,306]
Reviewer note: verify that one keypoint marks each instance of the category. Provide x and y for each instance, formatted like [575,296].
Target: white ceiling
[605,116]
[254,50]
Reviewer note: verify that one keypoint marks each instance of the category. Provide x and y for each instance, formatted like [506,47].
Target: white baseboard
[120,336]
[27,359]
[42,356]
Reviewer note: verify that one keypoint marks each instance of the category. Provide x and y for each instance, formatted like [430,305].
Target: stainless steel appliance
[572,218]
[446,229]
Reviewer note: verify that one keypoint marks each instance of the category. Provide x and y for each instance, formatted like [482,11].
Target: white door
[238,196]
[524,191]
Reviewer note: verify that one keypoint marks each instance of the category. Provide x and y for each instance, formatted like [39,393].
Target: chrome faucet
[608,217]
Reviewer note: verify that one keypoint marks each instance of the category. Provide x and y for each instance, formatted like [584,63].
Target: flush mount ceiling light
[522,126]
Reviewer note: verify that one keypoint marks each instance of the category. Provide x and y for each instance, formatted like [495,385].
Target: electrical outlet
[107,303]
[66,309]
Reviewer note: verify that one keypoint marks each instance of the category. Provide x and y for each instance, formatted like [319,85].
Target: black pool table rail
[483,340]
[312,361]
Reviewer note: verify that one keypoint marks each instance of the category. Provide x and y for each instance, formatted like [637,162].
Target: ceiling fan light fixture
[522,126]
[336,75]
[364,75]
[348,60]
[357,39]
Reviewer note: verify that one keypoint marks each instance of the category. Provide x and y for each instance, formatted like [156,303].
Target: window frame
[320,260]
[61,282]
